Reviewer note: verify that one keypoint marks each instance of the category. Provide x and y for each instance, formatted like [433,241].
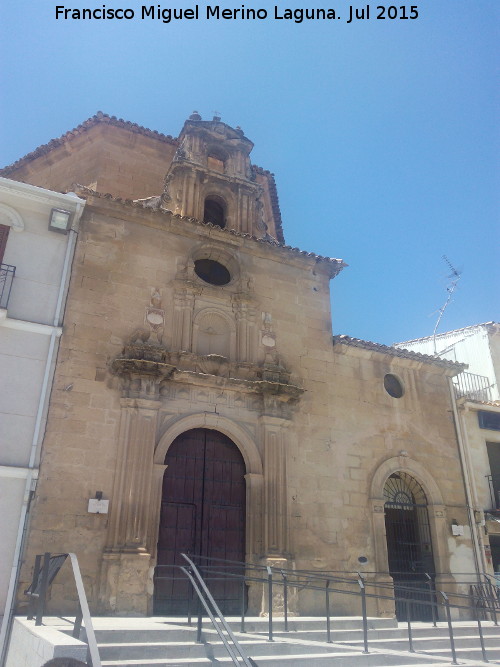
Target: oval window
[393,386]
[212,272]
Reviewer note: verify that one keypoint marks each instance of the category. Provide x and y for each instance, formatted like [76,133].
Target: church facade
[200,391]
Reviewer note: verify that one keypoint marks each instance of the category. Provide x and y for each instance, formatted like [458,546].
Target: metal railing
[45,571]
[481,599]
[472,386]
[7,273]
[233,647]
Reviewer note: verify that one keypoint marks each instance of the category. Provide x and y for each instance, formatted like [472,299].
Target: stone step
[155,642]
[296,624]
[314,659]
[207,649]
[352,635]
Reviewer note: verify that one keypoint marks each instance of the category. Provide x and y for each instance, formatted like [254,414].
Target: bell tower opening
[203,511]
[215,212]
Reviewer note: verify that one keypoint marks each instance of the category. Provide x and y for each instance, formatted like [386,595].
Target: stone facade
[152,350]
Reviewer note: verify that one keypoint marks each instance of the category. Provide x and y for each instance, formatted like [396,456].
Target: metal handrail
[206,599]
[328,584]
[42,580]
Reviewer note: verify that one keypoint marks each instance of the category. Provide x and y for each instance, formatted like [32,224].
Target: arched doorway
[202,513]
[409,544]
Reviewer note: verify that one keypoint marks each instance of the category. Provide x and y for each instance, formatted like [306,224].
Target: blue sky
[382,134]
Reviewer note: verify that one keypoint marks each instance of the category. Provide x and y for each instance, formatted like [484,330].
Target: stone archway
[254,476]
[409,545]
[436,518]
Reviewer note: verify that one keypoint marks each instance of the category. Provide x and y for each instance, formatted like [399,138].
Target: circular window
[212,272]
[393,386]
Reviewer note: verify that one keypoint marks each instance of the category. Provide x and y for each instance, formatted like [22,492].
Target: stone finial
[194,116]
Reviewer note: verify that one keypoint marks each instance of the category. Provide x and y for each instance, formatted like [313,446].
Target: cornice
[399,353]
[93,198]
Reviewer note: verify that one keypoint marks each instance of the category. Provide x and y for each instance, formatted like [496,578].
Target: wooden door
[202,513]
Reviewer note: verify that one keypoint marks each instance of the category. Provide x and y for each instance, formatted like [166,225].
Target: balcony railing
[472,386]
[7,273]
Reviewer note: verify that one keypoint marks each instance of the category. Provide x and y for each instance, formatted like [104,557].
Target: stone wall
[318,432]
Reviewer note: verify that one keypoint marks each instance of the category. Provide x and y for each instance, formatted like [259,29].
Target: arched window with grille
[409,543]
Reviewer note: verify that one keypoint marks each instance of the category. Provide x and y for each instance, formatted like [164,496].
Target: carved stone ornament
[145,367]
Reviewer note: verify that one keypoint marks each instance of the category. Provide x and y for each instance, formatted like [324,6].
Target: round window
[393,386]
[212,272]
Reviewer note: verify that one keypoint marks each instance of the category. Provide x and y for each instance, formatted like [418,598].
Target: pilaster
[276,537]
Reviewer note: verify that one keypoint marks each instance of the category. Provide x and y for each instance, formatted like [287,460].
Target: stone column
[276,537]
[132,490]
[383,607]
[242,331]
[127,556]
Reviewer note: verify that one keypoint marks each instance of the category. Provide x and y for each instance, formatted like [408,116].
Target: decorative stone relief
[150,370]
[155,317]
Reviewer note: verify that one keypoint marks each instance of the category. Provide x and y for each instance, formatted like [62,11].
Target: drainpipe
[470,489]
[32,474]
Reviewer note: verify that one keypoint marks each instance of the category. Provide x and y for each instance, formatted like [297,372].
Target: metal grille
[409,545]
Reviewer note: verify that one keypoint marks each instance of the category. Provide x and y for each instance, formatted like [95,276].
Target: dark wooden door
[202,513]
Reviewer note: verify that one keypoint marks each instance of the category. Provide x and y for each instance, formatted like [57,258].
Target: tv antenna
[454,277]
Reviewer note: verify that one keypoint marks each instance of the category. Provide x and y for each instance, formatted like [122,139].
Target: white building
[35,270]
[478,346]
[478,418]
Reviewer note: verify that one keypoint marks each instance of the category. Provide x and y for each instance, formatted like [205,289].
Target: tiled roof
[396,352]
[447,333]
[336,264]
[99,117]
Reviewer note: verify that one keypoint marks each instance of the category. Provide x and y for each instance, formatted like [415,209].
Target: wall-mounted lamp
[60,220]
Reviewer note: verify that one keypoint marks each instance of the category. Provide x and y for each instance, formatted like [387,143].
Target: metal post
[493,603]
[199,624]
[450,628]
[481,639]
[36,574]
[190,602]
[285,598]
[408,620]
[431,599]
[242,625]
[40,608]
[77,626]
[270,600]
[327,601]
[363,611]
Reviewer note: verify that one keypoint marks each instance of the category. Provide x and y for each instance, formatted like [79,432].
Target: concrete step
[355,635]
[155,642]
[214,649]
[316,659]
[299,624]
